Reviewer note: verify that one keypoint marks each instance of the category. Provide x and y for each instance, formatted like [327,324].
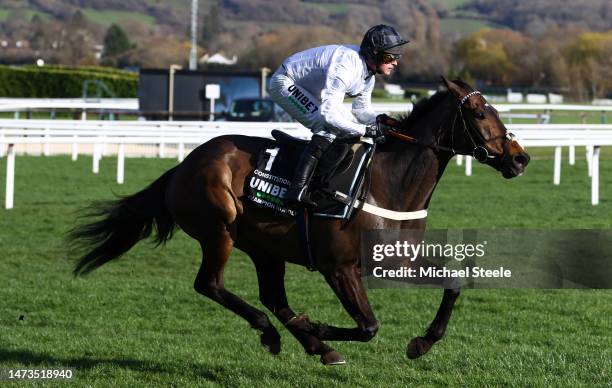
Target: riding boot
[298,191]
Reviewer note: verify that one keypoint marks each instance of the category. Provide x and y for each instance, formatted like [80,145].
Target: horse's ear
[444,80]
[455,89]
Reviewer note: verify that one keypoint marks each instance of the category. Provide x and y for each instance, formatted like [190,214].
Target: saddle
[336,159]
[340,170]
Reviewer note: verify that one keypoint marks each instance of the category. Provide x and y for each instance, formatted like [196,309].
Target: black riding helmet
[378,40]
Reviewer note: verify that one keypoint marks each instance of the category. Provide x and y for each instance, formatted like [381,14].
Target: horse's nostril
[520,159]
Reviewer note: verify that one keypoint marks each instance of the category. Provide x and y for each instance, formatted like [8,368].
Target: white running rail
[162,133]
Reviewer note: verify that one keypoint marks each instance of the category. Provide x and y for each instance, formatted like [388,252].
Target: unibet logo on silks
[301,101]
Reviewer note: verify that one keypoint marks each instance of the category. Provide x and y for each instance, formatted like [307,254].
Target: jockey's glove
[379,131]
[375,131]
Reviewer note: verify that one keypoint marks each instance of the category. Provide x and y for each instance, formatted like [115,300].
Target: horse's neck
[405,174]
[405,181]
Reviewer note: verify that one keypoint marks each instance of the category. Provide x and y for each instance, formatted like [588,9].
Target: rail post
[46,146]
[96,158]
[181,152]
[10,177]
[589,159]
[557,172]
[595,177]
[75,149]
[120,163]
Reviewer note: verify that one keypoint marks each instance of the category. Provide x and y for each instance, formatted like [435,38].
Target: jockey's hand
[376,133]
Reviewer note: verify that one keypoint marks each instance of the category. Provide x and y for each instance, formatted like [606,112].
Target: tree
[159,52]
[484,58]
[271,48]
[116,44]
[76,41]
[78,20]
[589,58]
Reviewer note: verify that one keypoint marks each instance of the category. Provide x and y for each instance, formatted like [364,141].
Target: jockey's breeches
[299,104]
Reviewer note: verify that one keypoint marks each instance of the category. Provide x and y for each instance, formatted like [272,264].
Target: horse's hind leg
[421,345]
[346,283]
[270,274]
[209,282]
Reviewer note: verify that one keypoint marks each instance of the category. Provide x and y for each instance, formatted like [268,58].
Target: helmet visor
[395,49]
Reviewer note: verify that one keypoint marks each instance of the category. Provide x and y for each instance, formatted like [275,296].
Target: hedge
[63,82]
[89,69]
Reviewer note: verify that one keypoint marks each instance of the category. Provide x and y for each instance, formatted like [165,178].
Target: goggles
[388,57]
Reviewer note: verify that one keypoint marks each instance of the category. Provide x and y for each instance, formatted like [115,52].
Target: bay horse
[204,196]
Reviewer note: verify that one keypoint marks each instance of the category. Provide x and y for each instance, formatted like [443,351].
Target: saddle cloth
[339,170]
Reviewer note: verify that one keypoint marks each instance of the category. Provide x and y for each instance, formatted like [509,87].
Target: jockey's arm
[333,111]
[362,106]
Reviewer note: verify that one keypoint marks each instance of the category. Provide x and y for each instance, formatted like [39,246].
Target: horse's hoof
[271,341]
[332,358]
[417,347]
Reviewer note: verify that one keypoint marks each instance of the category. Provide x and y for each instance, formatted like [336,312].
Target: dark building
[189,95]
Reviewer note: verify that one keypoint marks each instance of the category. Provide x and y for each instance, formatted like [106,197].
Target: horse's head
[478,131]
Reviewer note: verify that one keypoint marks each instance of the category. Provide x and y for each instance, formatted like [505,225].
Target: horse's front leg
[421,345]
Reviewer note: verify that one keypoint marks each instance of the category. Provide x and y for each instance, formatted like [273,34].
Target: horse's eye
[479,114]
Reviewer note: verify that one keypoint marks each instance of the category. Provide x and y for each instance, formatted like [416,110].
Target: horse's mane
[422,108]
[426,105]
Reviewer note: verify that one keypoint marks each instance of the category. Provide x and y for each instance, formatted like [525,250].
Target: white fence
[407,107]
[22,104]
[162,133]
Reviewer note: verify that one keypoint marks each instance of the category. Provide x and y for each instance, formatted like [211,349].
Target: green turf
[563,117]
[572,117]
[138,322]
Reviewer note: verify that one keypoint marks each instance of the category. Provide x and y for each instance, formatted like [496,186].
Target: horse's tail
[123,223]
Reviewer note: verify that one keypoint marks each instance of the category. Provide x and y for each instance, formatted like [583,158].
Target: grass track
[137,322]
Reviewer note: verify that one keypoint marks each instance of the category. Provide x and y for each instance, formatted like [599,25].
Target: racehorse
[204,196]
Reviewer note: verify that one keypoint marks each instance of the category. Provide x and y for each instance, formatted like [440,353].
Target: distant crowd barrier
[180,134]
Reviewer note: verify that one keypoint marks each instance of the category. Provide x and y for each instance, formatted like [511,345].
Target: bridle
[479,151]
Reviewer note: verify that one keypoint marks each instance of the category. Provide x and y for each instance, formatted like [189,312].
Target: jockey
[311,85]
